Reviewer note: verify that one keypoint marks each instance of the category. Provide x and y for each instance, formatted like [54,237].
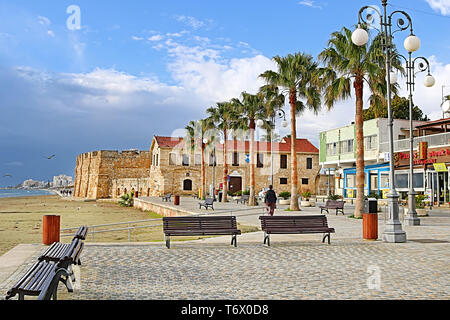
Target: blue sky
[139,68]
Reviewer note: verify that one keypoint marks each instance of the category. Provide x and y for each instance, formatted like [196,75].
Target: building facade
[171,167]
[338,153]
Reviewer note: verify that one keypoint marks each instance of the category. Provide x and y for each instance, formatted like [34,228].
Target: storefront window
[401,181]
[350,181]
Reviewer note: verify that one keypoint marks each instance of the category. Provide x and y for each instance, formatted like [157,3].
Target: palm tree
[345,61]
[196,131]
[250,109]
[223,115]
[298,77]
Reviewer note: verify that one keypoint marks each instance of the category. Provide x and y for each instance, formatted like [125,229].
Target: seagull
[50,156]
[7,175]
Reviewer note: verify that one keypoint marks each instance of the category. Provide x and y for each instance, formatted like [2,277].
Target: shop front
[431,173]
[376,181]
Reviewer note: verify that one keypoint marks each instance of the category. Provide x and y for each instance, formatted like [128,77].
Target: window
[185,160]
[172,159]
[309,163]
[331,149]
[401,181]
[235,159]
[283,161]
[347,146]
[370,142]
[283,181]
[187,185]
[350,181]
[198,159]
[259,160]
[401,137]
[305,180]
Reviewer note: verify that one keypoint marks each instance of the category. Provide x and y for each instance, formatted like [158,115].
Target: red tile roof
[302,145]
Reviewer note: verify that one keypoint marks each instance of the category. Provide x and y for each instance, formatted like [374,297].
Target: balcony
[434,140]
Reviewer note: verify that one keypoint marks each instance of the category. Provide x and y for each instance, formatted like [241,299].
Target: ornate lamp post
[411,218]
[393,228]
[260,123]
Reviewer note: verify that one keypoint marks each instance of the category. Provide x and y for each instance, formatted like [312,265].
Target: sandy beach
[21,219]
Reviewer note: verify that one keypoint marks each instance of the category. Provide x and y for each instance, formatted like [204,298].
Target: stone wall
[96,171]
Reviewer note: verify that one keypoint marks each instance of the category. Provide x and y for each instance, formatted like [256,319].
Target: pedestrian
[270,200]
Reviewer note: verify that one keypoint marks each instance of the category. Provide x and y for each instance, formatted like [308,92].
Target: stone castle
[170,167]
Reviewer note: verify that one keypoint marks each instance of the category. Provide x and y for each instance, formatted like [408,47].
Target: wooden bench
[243,199]
[57,251]
[333,204]
[166,197]
[82,233]
[295,225]
[209,202]
[200,226]
[41,280]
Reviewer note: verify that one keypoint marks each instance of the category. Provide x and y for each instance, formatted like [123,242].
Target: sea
[13,193]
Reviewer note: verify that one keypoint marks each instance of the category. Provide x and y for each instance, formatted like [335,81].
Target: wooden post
[50,229]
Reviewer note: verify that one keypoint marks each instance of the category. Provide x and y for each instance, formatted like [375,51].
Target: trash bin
[176,200]
[220,196]
[370,219]
[50,229]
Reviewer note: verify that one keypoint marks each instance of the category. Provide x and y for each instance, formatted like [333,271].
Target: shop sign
[433,156]
[440,167]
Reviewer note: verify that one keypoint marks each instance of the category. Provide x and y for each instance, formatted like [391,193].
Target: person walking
[270,200]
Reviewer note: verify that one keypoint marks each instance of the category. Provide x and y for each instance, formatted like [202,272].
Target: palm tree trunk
[251,200]
[203,172]
[359,123]
[294,174]
[225,168]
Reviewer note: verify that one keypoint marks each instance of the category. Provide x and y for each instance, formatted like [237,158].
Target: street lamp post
[393,228]
[411,218]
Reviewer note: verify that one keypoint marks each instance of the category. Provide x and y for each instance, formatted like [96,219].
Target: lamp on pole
[280,114]
[393,228]
[411,218]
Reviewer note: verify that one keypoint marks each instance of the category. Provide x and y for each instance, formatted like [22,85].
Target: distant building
[30,183]
[62,181]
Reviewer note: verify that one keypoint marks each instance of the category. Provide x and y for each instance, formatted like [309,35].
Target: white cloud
[192,21]
[51,33]
[156,37]
[137,38]
[309,3]
[443,6]
[44,21]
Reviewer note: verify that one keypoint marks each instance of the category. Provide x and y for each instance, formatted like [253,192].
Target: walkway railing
[131,225]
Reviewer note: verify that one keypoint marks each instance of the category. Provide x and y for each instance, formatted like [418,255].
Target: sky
[79,76]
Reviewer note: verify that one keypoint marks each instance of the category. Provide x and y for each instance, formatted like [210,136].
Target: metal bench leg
[72,275]
[21,296]
[266,239]
[67,282]
[326,235]
[167,241]
[234,240]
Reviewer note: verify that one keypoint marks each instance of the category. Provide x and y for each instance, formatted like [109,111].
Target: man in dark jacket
[270,200]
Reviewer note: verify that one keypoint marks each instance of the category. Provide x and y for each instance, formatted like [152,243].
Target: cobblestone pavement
[286,270]
[294,267]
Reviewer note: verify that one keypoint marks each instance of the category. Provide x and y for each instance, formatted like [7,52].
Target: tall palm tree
[250,109]
[223,115]
[196,131]
[345,61]
[298,78]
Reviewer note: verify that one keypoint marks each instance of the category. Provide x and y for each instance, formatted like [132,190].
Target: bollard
[50,229]
[176,200]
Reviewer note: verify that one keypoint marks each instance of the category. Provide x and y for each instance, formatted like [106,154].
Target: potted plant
[305,202]
[284,197]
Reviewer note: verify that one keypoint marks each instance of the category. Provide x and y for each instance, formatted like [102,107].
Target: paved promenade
[294,267]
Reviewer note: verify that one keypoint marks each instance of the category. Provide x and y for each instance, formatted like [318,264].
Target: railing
[433,140]
[92,229]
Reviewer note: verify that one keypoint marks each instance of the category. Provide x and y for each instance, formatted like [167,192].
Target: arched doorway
[187,185]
